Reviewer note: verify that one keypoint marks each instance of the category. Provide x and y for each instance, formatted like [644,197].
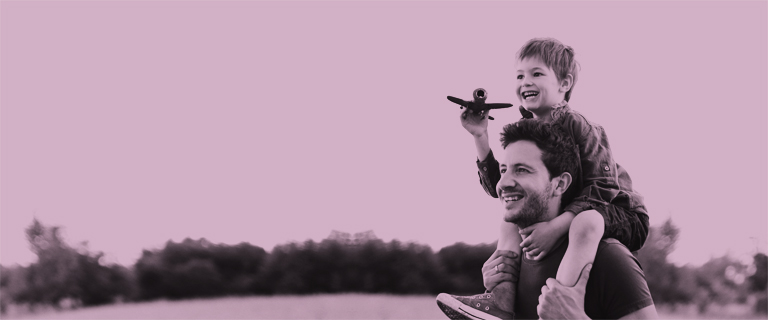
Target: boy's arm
[488,171]
[487,166]
[541,237]
[562,223]
[482,145]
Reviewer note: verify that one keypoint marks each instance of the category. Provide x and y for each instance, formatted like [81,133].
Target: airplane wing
[458,101]
[489,106]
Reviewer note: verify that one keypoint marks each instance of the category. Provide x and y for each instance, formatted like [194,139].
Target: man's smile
[510,198]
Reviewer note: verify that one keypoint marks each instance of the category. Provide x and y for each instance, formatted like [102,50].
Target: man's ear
[562,182]
[566,83]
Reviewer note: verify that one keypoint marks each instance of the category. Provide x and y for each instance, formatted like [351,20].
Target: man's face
[525,189]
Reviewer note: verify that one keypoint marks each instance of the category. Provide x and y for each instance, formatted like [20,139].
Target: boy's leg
[584,235]
[509,240]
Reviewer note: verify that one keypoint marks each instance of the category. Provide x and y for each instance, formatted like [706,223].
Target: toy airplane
[478,103]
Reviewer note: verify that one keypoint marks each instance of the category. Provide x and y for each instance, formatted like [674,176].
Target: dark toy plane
[478,103]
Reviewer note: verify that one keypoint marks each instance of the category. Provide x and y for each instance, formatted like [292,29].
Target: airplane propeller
[478,103]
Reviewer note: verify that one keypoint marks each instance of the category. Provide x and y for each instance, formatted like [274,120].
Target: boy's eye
[519,76]
[538,74]
[502,170]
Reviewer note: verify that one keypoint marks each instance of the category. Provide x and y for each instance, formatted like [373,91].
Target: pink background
[132,123]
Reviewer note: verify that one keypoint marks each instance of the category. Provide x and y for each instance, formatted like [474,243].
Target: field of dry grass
[342,306]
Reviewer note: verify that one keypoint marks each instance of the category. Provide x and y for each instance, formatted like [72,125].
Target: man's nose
[505,182]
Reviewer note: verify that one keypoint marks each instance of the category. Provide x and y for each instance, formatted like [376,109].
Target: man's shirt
[616,286]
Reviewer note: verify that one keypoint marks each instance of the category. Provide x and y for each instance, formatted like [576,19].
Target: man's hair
[555,55]
[558,150]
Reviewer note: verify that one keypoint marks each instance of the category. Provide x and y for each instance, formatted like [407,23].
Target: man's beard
[534,209]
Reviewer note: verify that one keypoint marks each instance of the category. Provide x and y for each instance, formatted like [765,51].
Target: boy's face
[537,85]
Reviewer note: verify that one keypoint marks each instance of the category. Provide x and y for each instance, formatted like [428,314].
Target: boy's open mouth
[529,94]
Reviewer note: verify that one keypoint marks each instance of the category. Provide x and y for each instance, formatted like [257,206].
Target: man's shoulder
[613,261]
[617,284]
[612,248]
[608,241]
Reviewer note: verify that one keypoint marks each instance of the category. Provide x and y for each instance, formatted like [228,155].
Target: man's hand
[540,238]
[475,123]
[560,302]
[508,263]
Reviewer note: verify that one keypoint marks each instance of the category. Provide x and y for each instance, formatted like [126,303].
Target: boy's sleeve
[489,173]
[597,169]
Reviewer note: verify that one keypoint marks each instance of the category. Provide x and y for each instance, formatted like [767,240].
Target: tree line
[67,276]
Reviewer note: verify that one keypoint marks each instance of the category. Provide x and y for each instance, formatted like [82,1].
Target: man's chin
[512,217]
[523,219]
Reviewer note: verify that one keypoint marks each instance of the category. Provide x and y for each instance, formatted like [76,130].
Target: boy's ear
[562,182]
[566,83]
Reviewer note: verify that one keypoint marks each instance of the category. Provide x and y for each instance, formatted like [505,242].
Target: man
[538,164]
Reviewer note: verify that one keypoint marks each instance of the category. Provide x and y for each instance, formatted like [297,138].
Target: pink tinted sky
[132,123]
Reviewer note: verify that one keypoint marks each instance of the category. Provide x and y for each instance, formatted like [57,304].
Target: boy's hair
[555,55]
[558,150]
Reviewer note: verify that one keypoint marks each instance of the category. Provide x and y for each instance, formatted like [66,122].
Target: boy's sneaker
[479,306]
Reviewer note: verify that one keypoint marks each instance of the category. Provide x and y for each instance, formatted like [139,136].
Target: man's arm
[560,302]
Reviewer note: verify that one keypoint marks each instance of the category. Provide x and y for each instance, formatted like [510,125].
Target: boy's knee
[587,225]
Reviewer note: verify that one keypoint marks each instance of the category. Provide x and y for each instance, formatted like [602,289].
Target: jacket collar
[559,110]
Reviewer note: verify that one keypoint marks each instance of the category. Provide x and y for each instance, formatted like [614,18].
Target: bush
[64,273]
[198,268]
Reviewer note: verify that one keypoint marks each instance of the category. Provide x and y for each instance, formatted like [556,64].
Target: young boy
[605,206]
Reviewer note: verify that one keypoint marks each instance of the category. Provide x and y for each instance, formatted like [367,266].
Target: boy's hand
[475,123]
[539,240]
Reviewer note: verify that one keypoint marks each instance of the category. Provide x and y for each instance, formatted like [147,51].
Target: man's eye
[522,170]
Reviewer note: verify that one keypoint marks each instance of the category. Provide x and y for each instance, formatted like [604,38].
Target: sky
[129,124]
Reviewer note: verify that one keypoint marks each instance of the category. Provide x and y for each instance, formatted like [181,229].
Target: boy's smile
[538,87]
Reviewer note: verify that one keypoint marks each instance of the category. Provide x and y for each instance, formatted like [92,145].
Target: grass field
[342,306]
